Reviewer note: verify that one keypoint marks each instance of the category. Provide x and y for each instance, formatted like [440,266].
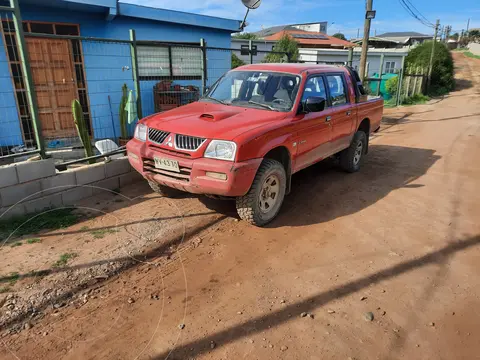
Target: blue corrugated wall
[106,64]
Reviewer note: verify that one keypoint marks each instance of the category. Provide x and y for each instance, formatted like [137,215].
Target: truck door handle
[349,113]
[328,118]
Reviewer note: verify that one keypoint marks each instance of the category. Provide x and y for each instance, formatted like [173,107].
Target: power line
[419,13]
[416,14]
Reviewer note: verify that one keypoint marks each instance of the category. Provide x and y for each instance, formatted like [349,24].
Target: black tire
[249,206]
[349,160]
[162,189]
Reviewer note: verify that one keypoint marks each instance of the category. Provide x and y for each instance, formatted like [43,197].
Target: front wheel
[264,199]
[351,158]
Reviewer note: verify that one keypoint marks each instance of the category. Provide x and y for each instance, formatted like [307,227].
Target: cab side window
[338,93]
[314,87]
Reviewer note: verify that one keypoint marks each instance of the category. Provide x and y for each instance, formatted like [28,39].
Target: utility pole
[468,25]
[430,67]
[366,36]
[358,33]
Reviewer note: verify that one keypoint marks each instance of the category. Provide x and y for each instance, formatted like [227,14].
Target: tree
[247,36]
[339,36]
[442,72]
[454,36]
[285,45]
[474,35]
[236,61]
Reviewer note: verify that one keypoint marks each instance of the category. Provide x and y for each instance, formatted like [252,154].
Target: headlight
[141,132]
[223,150]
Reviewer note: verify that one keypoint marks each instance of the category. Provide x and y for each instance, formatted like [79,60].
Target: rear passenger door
[343,119]
[313,129]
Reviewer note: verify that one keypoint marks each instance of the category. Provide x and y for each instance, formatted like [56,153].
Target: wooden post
[417,72]
[29,85]
[366,36]
[136,77]
[430,67]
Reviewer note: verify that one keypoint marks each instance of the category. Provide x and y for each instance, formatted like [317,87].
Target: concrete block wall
[35,186]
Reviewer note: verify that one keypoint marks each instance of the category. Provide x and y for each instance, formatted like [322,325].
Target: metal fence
[60,66]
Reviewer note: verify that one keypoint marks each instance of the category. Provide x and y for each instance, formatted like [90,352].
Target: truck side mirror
[314,104]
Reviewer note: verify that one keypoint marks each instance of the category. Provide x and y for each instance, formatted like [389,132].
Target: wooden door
[54,81]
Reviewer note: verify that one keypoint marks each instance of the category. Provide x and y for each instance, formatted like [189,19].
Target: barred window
[174,62]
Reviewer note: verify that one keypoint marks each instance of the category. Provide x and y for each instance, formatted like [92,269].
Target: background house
[392,58]
[94,71]
[395,39]
[314,27]
[310,39]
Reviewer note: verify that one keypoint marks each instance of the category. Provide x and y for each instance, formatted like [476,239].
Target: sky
[345,16]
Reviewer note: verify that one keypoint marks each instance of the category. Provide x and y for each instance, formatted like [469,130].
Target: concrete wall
[261,46]
[106,63]
[474,48]
[30,187]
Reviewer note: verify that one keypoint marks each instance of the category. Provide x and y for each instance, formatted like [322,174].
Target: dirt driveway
[381,264]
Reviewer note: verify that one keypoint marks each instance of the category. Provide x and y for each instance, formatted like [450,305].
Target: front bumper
[193,176]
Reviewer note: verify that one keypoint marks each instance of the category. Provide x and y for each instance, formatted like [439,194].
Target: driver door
[313,130]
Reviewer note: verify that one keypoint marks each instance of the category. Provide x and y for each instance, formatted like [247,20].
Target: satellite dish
[252,4]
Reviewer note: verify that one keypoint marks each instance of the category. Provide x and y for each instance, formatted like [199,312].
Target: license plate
[167,164]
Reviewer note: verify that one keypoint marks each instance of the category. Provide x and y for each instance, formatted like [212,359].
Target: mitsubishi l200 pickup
[256,127]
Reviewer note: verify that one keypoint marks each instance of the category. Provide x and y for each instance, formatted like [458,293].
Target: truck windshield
[270,91]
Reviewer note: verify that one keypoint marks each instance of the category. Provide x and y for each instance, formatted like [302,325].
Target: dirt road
[400,240]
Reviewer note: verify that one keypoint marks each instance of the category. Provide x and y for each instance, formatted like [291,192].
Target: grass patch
[100,234]
[4,289]
[34,241]
[11,279]
[64,259]
[15,244]
[416,99]
[84,228]
[28,224]
[472,55]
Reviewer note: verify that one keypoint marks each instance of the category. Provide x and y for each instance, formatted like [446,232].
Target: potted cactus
[123,116]
[82,130]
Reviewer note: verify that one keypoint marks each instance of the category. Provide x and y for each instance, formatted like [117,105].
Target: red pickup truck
[256,127]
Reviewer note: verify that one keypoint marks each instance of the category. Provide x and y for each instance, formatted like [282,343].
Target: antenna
[250,5]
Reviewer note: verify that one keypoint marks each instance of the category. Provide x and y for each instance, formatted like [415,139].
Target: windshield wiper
[263,105]
[217,100]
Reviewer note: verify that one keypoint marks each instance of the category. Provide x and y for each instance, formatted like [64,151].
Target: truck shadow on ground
[265,322]
[324,192]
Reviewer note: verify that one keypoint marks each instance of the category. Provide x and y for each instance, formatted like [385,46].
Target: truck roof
[295,68]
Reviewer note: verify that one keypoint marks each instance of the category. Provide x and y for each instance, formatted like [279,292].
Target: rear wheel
[162,189]
[262,203]
[351,158]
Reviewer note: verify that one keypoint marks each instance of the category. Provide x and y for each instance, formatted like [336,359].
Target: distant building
[313,27]
[309,39]
[395,39]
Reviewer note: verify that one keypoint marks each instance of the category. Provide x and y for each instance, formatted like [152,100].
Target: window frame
[345,87]
[393,69]
[327,99]
[169,46]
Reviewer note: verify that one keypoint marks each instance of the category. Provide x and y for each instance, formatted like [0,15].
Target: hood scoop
[218,115]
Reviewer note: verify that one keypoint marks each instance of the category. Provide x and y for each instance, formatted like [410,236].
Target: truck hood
[212,121]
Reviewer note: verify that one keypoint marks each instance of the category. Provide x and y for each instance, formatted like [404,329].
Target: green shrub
[236,61]
[416,99]
[442,72]
[287,45]
[392,85]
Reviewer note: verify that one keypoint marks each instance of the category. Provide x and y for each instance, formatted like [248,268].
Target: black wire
[407,8]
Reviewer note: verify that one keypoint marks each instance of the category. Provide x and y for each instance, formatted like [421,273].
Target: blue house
[94,71]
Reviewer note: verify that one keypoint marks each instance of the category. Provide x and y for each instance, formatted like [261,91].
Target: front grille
[185,142]
[157,136]
[183,175]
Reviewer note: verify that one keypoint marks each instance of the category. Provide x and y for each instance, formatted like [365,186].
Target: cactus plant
[81,126]
[122,113]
